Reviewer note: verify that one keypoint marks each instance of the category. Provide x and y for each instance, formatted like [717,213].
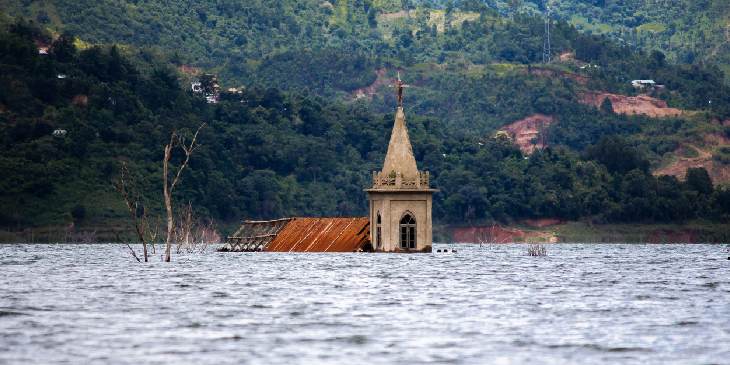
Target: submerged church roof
[322,235]
[302,235]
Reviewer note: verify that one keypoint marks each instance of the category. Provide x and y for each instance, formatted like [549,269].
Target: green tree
[63,48]
[699,180]
[617,155]
[607,106]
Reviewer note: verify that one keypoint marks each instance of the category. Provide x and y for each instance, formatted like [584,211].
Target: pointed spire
[399,158]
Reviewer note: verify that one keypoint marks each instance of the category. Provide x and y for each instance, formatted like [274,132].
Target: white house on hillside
[640,84]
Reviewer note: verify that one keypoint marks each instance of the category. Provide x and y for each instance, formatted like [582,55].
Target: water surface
[582,304]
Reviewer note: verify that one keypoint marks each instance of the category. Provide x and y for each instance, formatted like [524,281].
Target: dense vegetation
[688,31]
[269,153]
[340,43]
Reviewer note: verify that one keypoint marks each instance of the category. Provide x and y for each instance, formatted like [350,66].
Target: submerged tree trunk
[132,201]
[166,191]
[169,187]
[132,197]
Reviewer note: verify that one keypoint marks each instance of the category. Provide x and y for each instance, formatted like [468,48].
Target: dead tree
[169,187]
[192,235]
[536,249]
[152,234]
[490,237]
[185,229]
[132,200]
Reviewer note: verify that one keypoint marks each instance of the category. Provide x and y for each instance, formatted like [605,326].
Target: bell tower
[400,199]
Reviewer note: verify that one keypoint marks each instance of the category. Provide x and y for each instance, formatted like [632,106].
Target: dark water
[582,304]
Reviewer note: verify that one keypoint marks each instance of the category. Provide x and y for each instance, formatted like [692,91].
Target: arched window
[378,233]
[408,232]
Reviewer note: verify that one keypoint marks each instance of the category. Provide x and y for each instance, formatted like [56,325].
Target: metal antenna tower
[546,48]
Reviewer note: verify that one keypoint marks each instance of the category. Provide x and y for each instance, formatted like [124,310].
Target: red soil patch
[631,105]
[189,70]
[372,89]
[498,234]
[719,173]
[679,167]
[529,133]
[541,223]
[80,100]
[716,139]
[567,57]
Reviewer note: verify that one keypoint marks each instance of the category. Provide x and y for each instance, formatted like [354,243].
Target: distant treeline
[268,153]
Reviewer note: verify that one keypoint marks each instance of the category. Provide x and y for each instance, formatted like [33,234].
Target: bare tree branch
[188,152]
[132,206]
[134,254]
[167,189]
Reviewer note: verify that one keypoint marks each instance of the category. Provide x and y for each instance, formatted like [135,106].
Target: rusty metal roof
[255,235]
[322,235]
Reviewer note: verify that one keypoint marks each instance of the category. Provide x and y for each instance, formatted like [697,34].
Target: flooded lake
[582,304]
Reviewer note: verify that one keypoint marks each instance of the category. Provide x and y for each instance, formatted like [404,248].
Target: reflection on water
[481,305]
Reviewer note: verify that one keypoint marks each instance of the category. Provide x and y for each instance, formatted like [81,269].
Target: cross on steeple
[399,86]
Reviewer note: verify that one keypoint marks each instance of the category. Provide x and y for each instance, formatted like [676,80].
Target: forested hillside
[237,38]
[316,111]
[279,154]
[688,31]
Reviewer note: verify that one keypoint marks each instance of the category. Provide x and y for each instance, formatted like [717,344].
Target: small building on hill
[399,219]
[641,84]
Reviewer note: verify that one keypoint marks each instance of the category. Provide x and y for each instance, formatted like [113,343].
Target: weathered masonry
[400,220]
[400,199]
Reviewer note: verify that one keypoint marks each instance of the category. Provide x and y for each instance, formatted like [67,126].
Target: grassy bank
[581,232]
[694,232]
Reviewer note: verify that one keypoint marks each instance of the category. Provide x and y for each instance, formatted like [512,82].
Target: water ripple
[597,304]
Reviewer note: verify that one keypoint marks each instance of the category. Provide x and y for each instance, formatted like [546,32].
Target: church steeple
[399,168]
[400,159]
[400,199]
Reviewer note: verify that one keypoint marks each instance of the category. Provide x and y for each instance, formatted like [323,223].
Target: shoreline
[697,232]
[581,232]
